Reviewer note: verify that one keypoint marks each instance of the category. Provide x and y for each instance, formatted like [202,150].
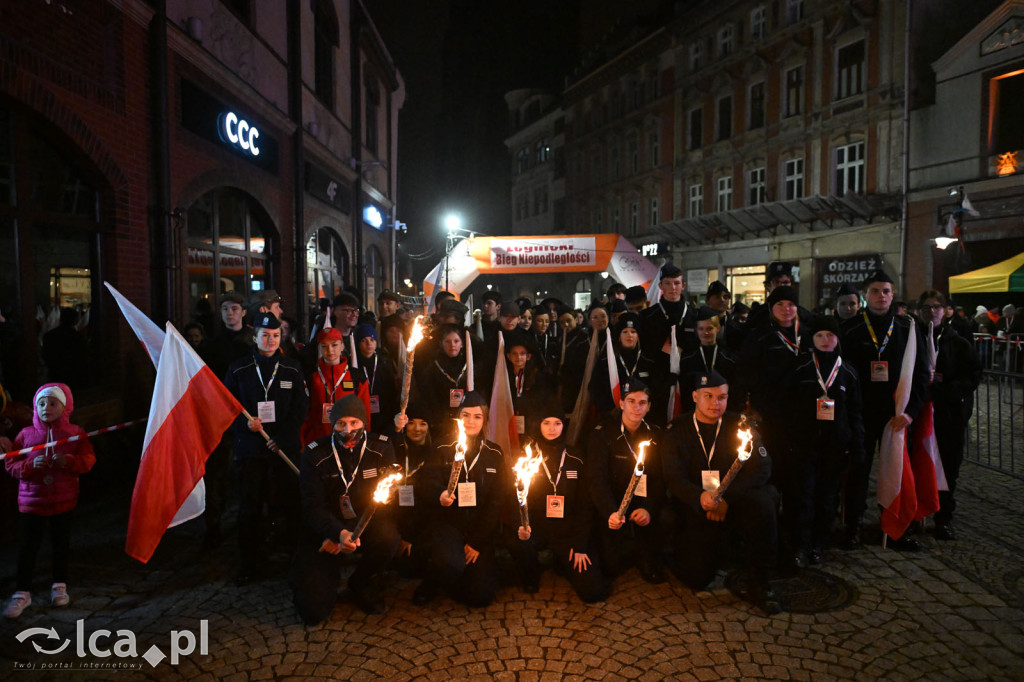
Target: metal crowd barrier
[995,436]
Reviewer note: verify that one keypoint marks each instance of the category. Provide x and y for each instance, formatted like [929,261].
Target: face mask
[349,438]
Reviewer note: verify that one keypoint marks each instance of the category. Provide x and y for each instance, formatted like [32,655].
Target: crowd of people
[636,411]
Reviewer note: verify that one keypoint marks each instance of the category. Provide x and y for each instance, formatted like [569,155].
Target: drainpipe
[355,77]
[161,235]
[906,152]
[298,157]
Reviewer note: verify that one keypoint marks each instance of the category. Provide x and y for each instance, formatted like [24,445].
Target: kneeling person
[339,475]
[701,447]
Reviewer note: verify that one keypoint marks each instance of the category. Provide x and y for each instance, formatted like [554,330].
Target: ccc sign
[238,133]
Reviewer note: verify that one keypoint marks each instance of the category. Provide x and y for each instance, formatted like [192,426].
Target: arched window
[325,41]
[326,266]
[374,276]
[230,242]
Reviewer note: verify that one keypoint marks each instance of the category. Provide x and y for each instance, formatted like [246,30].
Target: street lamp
[452,223]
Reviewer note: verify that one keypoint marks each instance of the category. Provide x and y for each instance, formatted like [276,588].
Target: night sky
[458,59]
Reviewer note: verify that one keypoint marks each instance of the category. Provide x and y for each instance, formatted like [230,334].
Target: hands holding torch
[525,469]
[393,475]
[414,339]
[638,473]
[743,453]
[460,457]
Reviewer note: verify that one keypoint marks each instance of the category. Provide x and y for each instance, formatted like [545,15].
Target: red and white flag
[924,454]
[896,490]
[501,427]
[613,371]
[151,336]
[190,411]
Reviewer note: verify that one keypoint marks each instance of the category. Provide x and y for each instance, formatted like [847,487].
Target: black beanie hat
[349,406]
[782,294]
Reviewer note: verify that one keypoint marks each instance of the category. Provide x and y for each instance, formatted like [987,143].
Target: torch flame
[383,491]
[525,469]
[638,470]
[462,445]
[417,333]
[746,447]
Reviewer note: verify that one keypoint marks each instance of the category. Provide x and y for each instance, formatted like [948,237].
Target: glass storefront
[326,268]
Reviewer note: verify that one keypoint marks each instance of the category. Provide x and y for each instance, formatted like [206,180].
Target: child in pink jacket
[47,491]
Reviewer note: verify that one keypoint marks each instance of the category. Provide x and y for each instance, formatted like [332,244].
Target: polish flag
[501,427]
[190,411]
[613,371]
[896,490]
[925,463]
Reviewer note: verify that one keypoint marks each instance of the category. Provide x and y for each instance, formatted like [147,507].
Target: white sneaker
[59,594]
[19,602]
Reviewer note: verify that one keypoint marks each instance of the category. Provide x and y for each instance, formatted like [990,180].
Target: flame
[462,445]
[525,469]
[638,470]
[383,491]
[746,447]
[417,333]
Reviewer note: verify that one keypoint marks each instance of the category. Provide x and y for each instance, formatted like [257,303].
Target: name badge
[556,506]
[467,494]
[641,487]
[826,409]
[455,397]
[374,404]
[405,496]
[326,418]
[520,424]
[709,480]
[880,370]
[265,411]
[347,512]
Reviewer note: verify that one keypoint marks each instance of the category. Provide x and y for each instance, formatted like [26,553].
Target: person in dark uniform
[528,382]
[271,388]
[824,404]
[340,473]
[613,450]
[548,348]
[956,374]
[442,381]
[711,355]
[376,371]
[561,514]
[874,343]
[629,362]
[847,302]
[460,538]
[699,449]
[670,325]
[413,450]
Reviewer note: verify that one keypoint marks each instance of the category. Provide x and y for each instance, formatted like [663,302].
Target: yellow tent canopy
[999,278]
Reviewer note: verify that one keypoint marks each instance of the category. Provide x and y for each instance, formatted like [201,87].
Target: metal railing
[995,434]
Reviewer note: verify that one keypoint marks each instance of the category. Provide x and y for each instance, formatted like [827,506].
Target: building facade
[181,150]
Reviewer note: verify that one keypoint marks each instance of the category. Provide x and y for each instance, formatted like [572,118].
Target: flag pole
[284,457]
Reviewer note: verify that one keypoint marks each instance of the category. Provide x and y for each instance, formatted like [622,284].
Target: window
[850,70]
[755,186]
[634,155]
[696,56]
[325,40]
[1007,96]
[372,105]
[724,118]
[374,265]
[326,265]
[725,42]
[654,211]
[794,91]
[850,169]
[616,220]
[758,22]
[794,178]
[543,151]
[696,128]
[634,216]
[724,194]
[695,205]
[654,143]
[794,11]
[756,116]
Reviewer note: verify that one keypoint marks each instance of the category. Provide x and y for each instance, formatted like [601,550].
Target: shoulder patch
[383,438]
[312,446]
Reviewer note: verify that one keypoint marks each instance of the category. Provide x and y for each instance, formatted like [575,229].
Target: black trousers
[218,469]
[859,473]
[809,485]
[751,514]
[265,484]
[949,436]
[619,550]
[590,585]
[473,584]
[33,527]
[315,575]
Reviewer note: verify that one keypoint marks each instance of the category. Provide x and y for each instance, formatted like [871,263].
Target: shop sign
[227,126]
[238,133]
[653,250]
[835,272]
[331,190]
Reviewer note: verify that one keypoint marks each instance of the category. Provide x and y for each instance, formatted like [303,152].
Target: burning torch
[460,457]
[380,496]
[414,339]
[743,453]
[525,469]
[638,473]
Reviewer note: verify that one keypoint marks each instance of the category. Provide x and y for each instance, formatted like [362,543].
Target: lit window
[794,178]
[724,194]
[756,186]
[850,164]
[695,205]
[1007,96]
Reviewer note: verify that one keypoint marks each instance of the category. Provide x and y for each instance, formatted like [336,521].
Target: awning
[998,278]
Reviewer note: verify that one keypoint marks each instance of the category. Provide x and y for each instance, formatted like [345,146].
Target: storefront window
[746,283]
[326,266]
[228,247]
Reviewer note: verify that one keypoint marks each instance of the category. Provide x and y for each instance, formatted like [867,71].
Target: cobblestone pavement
[953,612]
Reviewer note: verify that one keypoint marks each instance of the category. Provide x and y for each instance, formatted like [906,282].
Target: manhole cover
[809,591]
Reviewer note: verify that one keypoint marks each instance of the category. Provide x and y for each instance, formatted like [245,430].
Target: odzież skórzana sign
[835,272]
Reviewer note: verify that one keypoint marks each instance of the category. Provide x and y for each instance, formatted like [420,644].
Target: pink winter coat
[50,489]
